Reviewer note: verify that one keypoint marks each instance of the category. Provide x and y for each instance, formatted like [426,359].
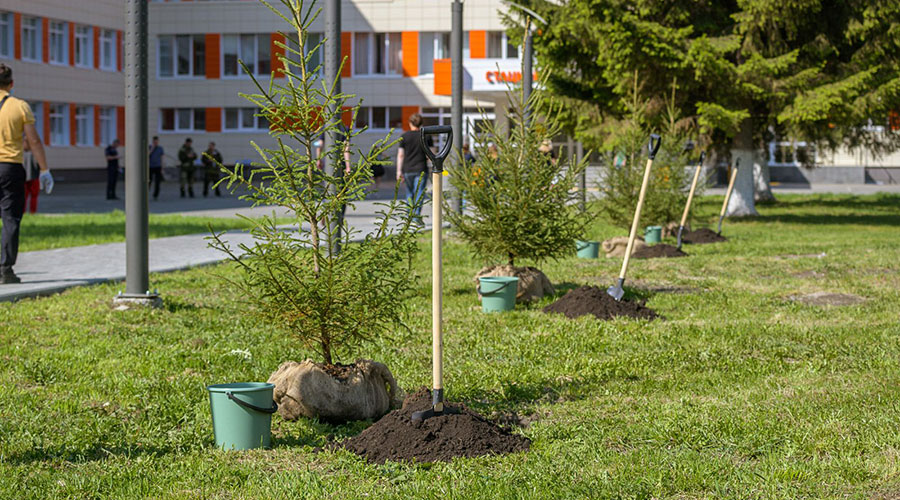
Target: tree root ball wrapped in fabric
[592,300]
[437,439]
[701,236]
[335,393]
[615,247]
[533,283]
[661,250]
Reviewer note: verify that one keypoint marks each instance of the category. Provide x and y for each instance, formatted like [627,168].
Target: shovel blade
[680,230]
[616,291]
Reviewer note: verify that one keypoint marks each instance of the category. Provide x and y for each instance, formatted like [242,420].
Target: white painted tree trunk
[762,179]
[742,201]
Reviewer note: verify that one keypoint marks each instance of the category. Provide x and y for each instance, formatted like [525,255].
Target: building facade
[67,62]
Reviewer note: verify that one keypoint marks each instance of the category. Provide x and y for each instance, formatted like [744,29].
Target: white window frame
[793,145]
[267,37]
[241,113]
[37,109]
[58,38]
[368,112]
[370,56]
[6,34]
[177,128]
[84,126]
[33,25]
[504,46]
[107,125]
[59,136]
[173,70]
[293,59]
[84,46]
[434,39]
[108,42]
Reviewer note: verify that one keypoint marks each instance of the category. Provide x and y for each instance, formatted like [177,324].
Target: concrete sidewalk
[46,272]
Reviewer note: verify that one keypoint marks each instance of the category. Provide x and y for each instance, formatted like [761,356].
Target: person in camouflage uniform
[211,161]
[186,158]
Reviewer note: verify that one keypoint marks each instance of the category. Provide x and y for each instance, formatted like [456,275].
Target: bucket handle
[498,290]
[245,404]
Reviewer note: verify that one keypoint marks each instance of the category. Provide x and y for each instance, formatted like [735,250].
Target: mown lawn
[41,232]
[738,393]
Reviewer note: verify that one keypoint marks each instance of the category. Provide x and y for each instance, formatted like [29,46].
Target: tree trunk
[742,202]
[762,180]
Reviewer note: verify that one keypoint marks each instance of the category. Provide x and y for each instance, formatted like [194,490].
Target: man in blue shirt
[112,169]
[156,155]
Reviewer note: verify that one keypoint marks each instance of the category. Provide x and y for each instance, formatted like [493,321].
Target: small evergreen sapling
[314,283]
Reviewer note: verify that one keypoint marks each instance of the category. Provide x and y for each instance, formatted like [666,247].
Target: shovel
[616,291]
[734,172]
[437,344]
[687,206]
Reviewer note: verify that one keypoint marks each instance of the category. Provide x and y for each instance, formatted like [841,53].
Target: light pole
[527,51]
[137,267]
[332,76]
[456,93]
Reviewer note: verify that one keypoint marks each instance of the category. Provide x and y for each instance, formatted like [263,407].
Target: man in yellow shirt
[16,123]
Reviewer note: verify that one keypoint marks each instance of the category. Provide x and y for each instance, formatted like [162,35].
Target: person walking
[16,123]
[32,179]
[411,165]
[186,158]
[112,169]
[156,155]
[211,161]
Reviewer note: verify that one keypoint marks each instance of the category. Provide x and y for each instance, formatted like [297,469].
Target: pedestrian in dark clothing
[411,164]
[186,158]
[112,169]
[211,161]
[156,155]
[16,124]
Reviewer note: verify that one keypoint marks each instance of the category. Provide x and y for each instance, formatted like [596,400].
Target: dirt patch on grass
[656,251]
[702,236]
[438,439]
[828,299]
[596,302]
[809,274]
[792,256]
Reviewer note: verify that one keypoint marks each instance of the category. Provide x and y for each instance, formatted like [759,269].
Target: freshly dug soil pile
[594,300]
[828,299]
[438,439]
[660,250]
[701,236]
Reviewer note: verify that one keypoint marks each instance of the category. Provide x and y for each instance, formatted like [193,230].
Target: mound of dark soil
[594,300]
[437,439]
[660,250]
[701,236]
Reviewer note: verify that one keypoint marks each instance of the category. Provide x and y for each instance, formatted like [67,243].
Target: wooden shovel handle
[734,172]
[437,282]
[637,218]
[687,205]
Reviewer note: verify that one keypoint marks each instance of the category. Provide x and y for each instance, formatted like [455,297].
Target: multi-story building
[67,61]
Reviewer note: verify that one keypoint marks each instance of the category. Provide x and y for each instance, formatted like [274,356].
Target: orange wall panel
[347,116]
[17,35]
[120,124]
[442,80]
[119,50]
[407,112]
[72,44]
[346,51]
[410,44]
[213,119]
[477,44]
[96,125]
[213,42]
[47,122]
[96,47]
[45,39]
[73,125]
[277,52]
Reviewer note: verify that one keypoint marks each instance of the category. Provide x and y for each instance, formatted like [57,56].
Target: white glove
[46,181]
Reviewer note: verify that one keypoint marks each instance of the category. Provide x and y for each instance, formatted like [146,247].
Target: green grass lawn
[41,232]
[738,392]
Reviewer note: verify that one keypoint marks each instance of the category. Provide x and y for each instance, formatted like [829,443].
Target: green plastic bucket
[242,414]
[498,293]
[653,234]
[587,249]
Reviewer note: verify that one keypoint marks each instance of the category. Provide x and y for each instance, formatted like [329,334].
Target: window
[499,46]
[59,124]
[84,49]
[253,50]
[6,35]
[182,119]
[432,46]
[315,61]
[31,36]
[59,50]
[181,55]
[107,125]
[377,54]
[37,109]
[789,153]
[379,117]
[84,125]
[244,120]
[108,50]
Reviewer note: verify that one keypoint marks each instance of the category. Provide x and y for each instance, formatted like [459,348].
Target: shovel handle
[640,204]
[687,205]
[437,159]
[734,172]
